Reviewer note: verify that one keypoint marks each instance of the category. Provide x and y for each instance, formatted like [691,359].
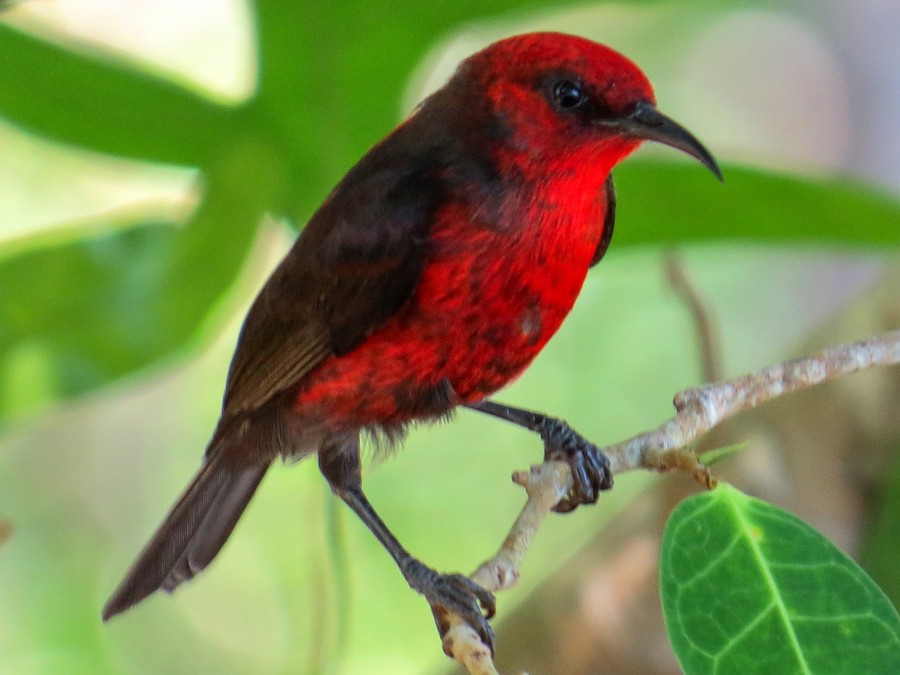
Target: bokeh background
[156,159]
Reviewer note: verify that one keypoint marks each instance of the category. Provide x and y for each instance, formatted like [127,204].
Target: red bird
[432,275]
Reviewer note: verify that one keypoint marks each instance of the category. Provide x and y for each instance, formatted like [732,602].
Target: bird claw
[454,594]
[589,466]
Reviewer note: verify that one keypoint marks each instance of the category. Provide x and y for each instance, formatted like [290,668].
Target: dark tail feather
[191,535]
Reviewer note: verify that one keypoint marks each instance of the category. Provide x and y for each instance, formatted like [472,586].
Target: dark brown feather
[191,535]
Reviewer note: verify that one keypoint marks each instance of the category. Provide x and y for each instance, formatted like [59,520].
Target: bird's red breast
[492,293]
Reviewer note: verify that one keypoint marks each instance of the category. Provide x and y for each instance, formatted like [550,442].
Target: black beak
[648,124]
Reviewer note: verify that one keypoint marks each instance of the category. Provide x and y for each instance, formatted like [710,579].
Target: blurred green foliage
[82,310]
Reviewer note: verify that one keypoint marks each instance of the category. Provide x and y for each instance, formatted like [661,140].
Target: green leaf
[85,312]
[749,588]
[668,203]
[104,105]
[881,545]
[716,455]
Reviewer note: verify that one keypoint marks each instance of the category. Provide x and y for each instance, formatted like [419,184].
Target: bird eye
[568,94]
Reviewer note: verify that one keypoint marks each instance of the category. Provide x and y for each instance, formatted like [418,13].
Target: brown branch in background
[6,529]
[701,408]
[697,411]
[707,334]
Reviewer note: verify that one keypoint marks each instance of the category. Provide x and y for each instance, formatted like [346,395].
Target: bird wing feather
[355,264]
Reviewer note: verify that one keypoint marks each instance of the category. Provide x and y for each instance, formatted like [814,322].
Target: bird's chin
[611,151]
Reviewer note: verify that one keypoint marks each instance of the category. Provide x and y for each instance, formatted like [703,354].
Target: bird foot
[589,466]
[453,594]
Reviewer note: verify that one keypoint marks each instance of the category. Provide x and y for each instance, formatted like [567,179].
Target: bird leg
[445,593]
[590,467]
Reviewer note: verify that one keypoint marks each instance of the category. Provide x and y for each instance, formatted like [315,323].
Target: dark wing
[609,220]
[356,263]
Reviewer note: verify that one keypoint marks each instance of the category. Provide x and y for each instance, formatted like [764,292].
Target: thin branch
[698,307]
[702,408]
[462,643]
[698,410]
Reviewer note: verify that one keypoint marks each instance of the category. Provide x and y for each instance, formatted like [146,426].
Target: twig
[546,484]
[702,408]
[463,644]
[698,410]
[707,335]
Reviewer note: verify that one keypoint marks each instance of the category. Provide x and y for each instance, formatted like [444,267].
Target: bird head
[565,100]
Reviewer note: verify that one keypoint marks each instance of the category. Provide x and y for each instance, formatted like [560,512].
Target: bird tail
[191,535]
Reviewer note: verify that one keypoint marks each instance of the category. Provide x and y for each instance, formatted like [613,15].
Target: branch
[696,305]
[698,410]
